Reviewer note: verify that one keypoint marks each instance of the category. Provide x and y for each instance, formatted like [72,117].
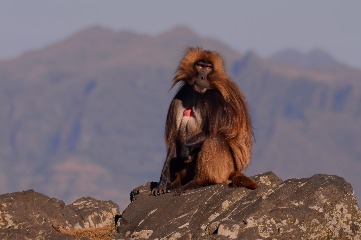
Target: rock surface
[32,215]
[319,207]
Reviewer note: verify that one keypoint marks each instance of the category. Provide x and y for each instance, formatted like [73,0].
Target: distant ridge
[315,58]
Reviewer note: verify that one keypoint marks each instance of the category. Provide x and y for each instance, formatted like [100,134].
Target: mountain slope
[306,121]
[85,116]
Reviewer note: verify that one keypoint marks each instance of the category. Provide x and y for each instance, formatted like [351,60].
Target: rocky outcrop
[32,215]
[319,207]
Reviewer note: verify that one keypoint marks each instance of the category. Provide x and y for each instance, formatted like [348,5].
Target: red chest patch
[187,112]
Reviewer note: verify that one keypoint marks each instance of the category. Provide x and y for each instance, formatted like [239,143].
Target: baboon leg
[240,180]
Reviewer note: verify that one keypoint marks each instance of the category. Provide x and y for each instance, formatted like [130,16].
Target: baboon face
[201,69]
[201,79]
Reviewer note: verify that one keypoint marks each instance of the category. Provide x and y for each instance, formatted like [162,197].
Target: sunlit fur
[221,113]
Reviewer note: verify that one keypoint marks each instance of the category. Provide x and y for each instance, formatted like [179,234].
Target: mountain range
[86,115]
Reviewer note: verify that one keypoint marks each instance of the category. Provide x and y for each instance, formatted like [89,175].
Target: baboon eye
[201,66]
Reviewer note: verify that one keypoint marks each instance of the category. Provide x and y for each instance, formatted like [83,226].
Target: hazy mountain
[316,58]
[85,116]
[306,121]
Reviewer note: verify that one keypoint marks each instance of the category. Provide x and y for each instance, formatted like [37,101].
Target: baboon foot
[240,180]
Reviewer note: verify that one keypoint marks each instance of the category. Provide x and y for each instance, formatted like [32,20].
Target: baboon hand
[163,187]
[185,151]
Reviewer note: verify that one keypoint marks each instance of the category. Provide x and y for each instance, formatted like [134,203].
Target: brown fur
[220,124]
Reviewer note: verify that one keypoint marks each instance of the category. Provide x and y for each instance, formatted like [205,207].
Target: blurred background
[84,88]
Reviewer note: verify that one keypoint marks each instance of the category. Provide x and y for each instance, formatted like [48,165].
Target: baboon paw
[160,189]
[133,194]
[184,152]
[178,192]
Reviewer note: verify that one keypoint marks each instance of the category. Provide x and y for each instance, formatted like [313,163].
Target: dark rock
[32,215]
[319,207]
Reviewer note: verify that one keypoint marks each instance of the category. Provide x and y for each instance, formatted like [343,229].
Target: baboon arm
[172,122]
[196,141]
[192,144]
[164,184]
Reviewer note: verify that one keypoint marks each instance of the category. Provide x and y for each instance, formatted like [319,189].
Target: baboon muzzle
[202,75]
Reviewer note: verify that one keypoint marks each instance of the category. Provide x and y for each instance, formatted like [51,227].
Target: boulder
[32,215]
[319,207]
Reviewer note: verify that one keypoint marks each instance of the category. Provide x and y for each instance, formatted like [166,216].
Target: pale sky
[262,26]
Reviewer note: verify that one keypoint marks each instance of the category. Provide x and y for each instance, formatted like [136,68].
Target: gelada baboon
[208,130]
